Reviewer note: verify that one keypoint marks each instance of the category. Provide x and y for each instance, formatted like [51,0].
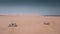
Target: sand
[30,24]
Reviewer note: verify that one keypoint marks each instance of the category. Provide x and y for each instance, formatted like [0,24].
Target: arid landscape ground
[30,24]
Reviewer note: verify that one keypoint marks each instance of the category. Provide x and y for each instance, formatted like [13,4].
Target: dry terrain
[30,24]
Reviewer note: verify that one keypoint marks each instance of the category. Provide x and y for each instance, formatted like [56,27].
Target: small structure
[12,25]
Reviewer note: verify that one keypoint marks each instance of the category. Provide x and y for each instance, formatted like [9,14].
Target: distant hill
[3,15]
[50,15]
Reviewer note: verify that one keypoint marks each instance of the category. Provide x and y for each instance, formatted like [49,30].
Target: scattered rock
[46,23]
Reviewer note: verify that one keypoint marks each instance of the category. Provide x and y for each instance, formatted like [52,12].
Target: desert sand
[30,24]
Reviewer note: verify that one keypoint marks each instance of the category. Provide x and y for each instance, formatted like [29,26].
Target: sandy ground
[30,25]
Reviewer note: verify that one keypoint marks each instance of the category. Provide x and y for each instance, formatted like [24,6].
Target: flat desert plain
[30,24]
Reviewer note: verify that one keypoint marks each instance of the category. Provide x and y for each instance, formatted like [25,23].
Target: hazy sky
[38,7]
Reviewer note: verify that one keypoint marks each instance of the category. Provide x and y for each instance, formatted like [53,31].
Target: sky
[30,7]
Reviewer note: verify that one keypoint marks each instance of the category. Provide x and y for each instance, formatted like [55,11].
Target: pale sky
[38,7]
